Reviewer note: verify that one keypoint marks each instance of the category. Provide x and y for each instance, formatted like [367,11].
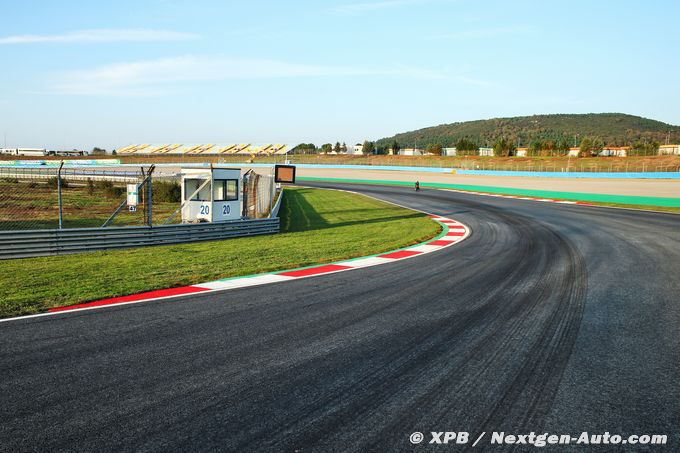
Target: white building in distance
[669,149]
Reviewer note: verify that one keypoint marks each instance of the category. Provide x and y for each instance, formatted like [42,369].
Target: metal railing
[32,243]
[277,206]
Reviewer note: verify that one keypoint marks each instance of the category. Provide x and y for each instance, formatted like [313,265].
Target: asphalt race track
[548,318]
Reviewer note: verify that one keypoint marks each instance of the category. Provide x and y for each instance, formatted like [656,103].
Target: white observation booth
[211,194]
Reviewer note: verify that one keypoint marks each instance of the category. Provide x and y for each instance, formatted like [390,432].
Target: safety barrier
[277,206]
[32,243]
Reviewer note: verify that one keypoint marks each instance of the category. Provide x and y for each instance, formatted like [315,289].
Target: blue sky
[83,74]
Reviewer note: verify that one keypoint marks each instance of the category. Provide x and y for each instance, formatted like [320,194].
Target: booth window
[190,186]
[225,189]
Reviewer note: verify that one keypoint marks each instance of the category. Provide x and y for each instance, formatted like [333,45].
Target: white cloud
[101,35]
[152,77]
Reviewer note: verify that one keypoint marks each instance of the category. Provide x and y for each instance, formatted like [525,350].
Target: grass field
[317,226]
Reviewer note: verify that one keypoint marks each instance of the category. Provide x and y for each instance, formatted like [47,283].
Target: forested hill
[616,129]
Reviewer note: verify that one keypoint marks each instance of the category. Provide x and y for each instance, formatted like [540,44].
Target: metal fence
[31,243]
[259,191]
[53,198]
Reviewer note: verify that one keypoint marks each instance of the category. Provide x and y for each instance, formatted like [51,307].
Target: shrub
[113,191]
[53,182]
[590,147]
[644,149]
[107,188]
[90,186]
[103,184]
[166,191]
[504,147]
[434,148]
[466,147]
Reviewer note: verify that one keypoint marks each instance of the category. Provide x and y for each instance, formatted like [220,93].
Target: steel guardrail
[34,243]
[277,206]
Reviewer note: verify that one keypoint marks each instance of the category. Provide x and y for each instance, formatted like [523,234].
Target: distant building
[25,151]
[358,149]
[617,151]
[486,151]
[411,152]
[574,152]
[449,151]
[522,152]
[669,149]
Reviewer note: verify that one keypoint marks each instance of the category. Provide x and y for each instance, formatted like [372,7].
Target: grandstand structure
[246,149]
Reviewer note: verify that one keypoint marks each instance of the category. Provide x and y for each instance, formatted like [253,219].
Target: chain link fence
[52,198]
[46,198]
[259,192]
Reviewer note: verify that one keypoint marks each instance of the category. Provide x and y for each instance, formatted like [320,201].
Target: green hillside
[616,129]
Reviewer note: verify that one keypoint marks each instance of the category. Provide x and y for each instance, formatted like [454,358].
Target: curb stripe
[440,242]
[401,254]
[180,291]
[325,269]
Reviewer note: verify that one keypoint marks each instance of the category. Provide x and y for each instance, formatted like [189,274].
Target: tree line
[502,147]
[311,148]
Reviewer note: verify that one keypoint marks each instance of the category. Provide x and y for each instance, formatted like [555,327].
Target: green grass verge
[655,203]
[318,226]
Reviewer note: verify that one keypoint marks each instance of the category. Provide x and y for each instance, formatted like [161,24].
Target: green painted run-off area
[574,196]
